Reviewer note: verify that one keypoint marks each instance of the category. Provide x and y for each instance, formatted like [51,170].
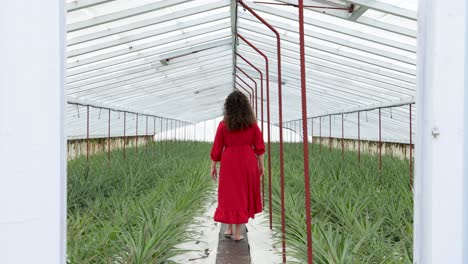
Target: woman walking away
[239,146]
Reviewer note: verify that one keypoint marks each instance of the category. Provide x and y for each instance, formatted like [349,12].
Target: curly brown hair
[238,113]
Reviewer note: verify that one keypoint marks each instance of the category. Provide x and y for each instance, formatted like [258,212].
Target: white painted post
[32,137]
[440,158]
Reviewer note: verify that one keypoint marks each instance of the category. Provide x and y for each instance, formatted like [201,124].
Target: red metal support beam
[280,116]
[255,85]
[329,135]
[124,138]
[380,140]
[320,133]
[261,86]
[136,134]
[359,135]
[247,91]
[108,136]
[87,133]
[146,136]
[252,94]
[304,133]
[267,72]
[411,145]
[342,137]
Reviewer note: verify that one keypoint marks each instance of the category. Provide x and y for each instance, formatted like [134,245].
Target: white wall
[440,187]
[32,138]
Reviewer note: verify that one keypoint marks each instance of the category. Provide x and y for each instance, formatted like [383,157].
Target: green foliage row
[359,214]
[135,210]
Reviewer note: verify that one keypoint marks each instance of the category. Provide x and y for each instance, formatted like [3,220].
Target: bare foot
[238,238]
[228,233]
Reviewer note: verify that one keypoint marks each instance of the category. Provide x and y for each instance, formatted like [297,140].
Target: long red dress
[239,176]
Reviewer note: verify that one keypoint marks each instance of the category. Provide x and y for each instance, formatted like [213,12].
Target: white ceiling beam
[332,27]
[147,22]
[387,8]
[80,4]
[95,21]
[147,63]
[143,78]
[148,34]
[290,43]
[367,21]
[140,47]
[358,13]
[339,41]
[152,67]
[147,57]
[328,64]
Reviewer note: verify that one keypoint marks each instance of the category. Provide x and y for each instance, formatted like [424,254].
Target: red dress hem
[232,216]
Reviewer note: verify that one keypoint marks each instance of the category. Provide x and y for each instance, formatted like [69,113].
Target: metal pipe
[305,139]
[411,146]
[87,133]
[267,72]
[255,84]
[359,136]
[330,137]
[250,87]
[261,86]
[247,91]
[136,134]
[342,137]
[108,136]
[280,115]
[124,138]
[380,140]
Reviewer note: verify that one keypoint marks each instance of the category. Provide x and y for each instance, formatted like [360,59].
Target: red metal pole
[342,136]
[320,133]
[261,86]
[330,137]
[146,136]
[124,138]
[247,91]
[359,135]
[136,134]
[267,72]
[304,133]
[255,85]
[280,115]
[108,136]
[87,133]
[411,146]
[250,87]
[380,140]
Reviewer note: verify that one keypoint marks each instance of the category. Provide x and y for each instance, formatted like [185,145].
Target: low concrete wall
[399,150]
[77,147]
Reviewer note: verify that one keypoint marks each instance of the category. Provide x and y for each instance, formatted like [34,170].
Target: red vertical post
[280,117]
[261,87]
[305,139]
[146,136]
[359,135]
[160,132]
[255,94]
[87,133]
[267,72]
[330,137]
[136,134]
[380,140]
[342,136]
[124,138]
[411,146]
[108,136]
[320,133]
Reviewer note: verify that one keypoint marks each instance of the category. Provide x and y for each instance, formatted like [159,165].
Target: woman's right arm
[261,164]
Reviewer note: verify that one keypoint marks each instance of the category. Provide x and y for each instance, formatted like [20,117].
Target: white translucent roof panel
[174,58]
[171,58]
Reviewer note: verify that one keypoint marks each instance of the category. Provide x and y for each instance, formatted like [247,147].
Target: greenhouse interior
[109,110]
